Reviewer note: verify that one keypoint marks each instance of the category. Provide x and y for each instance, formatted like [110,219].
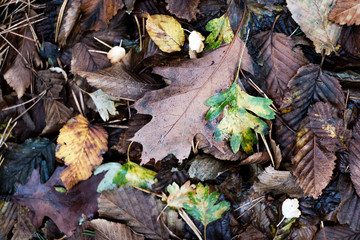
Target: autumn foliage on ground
[180,119]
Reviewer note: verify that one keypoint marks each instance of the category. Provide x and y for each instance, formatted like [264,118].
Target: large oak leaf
[65,209]
[179,110]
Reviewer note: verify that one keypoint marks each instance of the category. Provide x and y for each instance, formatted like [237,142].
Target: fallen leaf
[256,158]
[131,174]
[312,17]
[337,232]
[354,156]
[166,32]
[238,121]
[72,12]
[186,9]
[137,209]
[178,195]
[106,230]
[22,159]
[57,114]
[280,61]
[349,40]
[8,217]
[119,82]
[49,79]
[64,209]
[345,12]
[96,14]
[174,125]
[203,207]
[104,104]
[19,76]
[263,8]
[80,145]
[290,208]
[107,183]
[23,229]
[220,31]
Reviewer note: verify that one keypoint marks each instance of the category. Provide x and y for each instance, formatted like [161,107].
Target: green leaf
[107,183]
[131,174]
[203,206]
[220,31]
[238,122]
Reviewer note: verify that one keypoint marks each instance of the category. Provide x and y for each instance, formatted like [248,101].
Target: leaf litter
[188,90]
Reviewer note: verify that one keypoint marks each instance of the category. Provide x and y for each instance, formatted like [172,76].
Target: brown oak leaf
[346,12]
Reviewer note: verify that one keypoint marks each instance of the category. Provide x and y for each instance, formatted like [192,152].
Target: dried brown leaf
[186,9]
[350,40]
[346,12]
[48,79]
[354,157]
[178,110]
[280,61]
[83,60]
[23,229]
[278,182]
[312,17]
[106,230]
[8,217]
[259,157]
[19,75]
[337,232]
[118,82]
[57,115]
[72,12]
[137,209]
[348,210]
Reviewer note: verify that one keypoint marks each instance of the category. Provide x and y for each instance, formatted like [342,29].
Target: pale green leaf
[178,195]
[107,182]
[104,104]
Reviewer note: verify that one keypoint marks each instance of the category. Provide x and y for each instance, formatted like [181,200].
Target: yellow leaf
[80,145]
[166,32]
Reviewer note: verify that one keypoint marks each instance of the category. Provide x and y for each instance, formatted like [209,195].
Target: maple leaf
[178,195]
[220,31]
[346,12]
[203,207]
[312,17]
[64,209]
[80,145]
[166,32]
[186,9]
[238,122]
[179,110]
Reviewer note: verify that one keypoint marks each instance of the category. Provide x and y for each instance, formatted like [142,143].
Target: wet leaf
[57,114]
[312,16]
[220,31]
[64,209]
[345,12]
[23,229]
[166,32]
[111,169]
[8,217]
[186,9]
[80,146]
[349,40]
[337,232]
[178,195]
[131,174]
[70,18]
[203,205]
[106,230]
[354,157]
[238,122]
[160,137]
[104,104]
[22,159]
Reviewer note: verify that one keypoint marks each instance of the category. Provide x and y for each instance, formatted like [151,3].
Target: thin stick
[268,149]
[189,222]
[249,209]
[138,25]
[21,104]
[244,205]
[102,42]
[76,102]
[59,19]
[29,108]
[147,191]
[98,51]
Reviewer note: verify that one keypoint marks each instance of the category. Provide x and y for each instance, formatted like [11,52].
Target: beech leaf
[346,12]
[238,122]
[312,17]
[166,32]
[80,145]
[220,31]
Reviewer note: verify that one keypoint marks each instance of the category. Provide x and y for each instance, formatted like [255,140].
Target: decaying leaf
[131,174]
[107,182]
[350,40]
[178,195]
[203,207]
[8,217]
[70,18]
[278,182]
[64,209]
[57,114]
[106,230]
[166,32]
[312,16]
[186,9]
[104,104]
[19,76]
[80,145]
[280,61]
[119,82]
[174,125]
[23,229]
[238,121]
[220,31]
[22,159]
[137,209]
[346,12]
[354,157]
[337,232]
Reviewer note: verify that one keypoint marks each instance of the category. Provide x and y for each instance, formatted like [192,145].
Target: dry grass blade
[189,222]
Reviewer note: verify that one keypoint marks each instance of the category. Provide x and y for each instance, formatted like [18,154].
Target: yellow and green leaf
[220,31]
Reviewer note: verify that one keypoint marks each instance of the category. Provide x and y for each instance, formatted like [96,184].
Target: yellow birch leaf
[80,146]
[166,32]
